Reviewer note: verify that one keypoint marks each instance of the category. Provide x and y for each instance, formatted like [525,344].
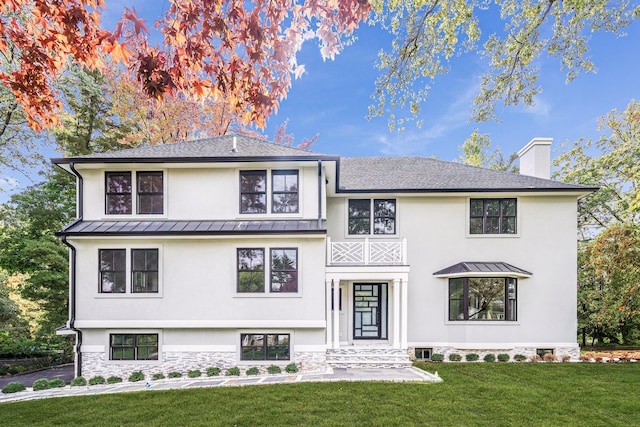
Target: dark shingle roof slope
[370,174]
[208,149]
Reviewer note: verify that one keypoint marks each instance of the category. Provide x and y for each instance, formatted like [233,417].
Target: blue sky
[332,99]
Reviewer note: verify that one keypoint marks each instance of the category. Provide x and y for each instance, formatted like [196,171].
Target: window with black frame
[367,216]
[251,270]
[492,216]
[253,192]
[133,347]
[483,298]
[284,189]
[113,270]
[118,189]
[150,193]
[144,270]
[264,347]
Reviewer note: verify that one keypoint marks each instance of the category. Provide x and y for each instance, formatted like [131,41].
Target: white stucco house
[233,251]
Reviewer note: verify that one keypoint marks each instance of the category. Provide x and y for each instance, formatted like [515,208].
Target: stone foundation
[561,353]
[95,364]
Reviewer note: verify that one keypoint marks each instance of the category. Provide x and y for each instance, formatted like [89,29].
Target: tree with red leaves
[242,52]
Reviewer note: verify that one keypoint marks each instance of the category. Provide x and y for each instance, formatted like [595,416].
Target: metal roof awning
[202,228]
[482,269]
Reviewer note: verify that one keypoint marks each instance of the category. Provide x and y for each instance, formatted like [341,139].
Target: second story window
[492,216]
[284,191]
[377,216]
[150,193]
[253,192]
[120,187]
[118,193]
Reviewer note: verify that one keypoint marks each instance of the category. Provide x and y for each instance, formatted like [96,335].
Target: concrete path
[411,374]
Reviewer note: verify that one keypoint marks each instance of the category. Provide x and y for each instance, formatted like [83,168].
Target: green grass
[472,394]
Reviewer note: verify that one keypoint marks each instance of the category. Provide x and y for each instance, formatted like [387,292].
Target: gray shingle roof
[218,148]
[426,174]
[468,269]
[181,228]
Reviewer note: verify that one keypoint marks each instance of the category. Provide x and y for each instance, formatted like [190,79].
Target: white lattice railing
[367,252]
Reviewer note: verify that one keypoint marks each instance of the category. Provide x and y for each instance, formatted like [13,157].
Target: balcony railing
[367,252]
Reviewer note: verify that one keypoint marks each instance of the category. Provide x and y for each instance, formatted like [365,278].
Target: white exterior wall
[205,192]
[436,229]
[198,286]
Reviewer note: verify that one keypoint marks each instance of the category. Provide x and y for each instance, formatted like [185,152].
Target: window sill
[267,295]
[128,295]
[493,236]
[482,323]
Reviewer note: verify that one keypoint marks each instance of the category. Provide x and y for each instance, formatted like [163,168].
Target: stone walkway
[410,374]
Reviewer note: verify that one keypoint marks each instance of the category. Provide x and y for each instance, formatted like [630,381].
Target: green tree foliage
[476,152]
[611,163]
[18,148]
[88,124]
[28,244]
[609,284]
[608,262]
[429,33]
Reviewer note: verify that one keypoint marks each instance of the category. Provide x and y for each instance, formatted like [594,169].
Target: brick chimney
[535,158]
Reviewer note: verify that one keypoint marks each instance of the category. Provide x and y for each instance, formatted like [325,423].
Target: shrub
[273,369]
[213,371]
[437,357]
[253,371]
[455,357]
[57,383]
[158,376]
[114,380]
[41,384]
[175,374]
[566,358]
[3,370]
[489,357]
[96,380]
[535,358]
[519,357]
[13,387]
[233,372]
[136,376]
[503,357]
[549,357]
[78,381]
[194,374]
[291,368]
[471,357]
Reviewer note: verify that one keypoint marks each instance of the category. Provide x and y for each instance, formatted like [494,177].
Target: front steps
[368,357]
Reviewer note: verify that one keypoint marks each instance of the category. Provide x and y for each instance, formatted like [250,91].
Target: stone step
[351,357]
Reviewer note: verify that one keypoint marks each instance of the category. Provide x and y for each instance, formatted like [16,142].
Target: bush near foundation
[13,387]
[78,381]
[56,383]
[214,371]
[41,384]
[136,376]
[97,380]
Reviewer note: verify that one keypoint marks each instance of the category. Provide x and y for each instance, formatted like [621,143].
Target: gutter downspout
[319,191]
[72,275]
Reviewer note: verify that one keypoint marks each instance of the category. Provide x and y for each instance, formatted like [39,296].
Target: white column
[404,314]
[396,313]
[328,312]
[336,313]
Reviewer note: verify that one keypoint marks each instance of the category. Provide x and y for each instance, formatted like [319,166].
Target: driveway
[64,372]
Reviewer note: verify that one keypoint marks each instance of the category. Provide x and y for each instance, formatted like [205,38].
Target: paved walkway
[411,374]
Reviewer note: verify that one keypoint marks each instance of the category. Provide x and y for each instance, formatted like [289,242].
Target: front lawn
[474,394]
